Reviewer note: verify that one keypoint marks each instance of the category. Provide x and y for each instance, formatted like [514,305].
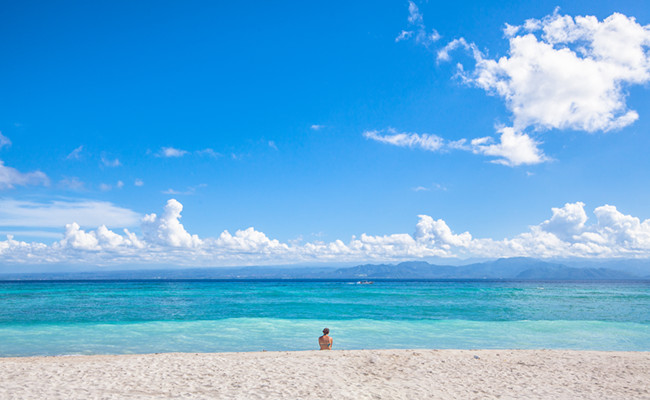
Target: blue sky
[322,133]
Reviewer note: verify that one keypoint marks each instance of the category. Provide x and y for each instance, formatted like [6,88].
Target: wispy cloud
[171,152]
[4,141]
[413,140]
[273,145]
[513,149]
[58,213]
[110,162]
[189,191]
[72,183]
[316,127]
[435,186]
[208,152]
[75,154]
[138,182]
[417,29]
[11,177]
[105,187]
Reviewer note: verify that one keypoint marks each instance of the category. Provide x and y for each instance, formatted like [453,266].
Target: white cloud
[513,148]
[105,187]
[443,54]
[566,221]
[189,191]
[435,186]
[273,145]
[11,177]
[100,239]
[75,154]
[4,141]
[568,73]
[171,152]
[167,229]
[567,233]
[208,152]
[31,233]
[436,233]
[417,28]
[317,127]
[72,183]
[56,214]
[413,140]
[138,182]
[249,241]
[110,163]
[404,35]
[561,72]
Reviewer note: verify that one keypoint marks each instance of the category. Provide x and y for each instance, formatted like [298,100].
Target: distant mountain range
[504,268]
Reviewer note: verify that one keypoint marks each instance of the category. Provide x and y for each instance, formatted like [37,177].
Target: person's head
[326,331]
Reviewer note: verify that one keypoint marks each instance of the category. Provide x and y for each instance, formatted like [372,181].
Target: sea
[45,318]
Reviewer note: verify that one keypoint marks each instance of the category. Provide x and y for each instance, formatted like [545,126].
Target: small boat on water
[365,283]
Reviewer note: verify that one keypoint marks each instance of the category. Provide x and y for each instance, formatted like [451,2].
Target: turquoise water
[117,317]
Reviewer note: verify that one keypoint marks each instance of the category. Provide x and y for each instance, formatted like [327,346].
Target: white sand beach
[357,374]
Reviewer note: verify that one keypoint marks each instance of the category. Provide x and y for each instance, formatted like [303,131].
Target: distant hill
[504,268]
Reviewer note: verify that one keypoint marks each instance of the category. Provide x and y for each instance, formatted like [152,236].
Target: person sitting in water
[325,341]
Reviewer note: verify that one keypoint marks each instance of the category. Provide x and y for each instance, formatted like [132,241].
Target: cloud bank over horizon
[164,240]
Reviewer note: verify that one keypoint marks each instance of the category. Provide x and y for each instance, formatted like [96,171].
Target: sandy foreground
[354,374]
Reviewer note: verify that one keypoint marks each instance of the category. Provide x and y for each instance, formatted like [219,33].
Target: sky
[292,133]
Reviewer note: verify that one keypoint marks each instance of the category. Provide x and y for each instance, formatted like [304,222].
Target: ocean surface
[122,317]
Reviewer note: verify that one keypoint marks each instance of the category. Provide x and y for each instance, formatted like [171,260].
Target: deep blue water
[115,317]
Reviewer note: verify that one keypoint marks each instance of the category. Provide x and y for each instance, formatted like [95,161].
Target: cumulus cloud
[167,228]
[569,73]
[513,149]
[413,140]
[100,239]
[567,233]
[11,177]
[566,221]
[437,233]
[561,72]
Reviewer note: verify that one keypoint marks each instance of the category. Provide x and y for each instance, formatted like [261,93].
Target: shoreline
[345,374]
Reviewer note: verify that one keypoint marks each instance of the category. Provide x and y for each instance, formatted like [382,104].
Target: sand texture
[358,374]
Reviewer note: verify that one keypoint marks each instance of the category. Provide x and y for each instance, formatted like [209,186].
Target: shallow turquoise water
[115,317]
